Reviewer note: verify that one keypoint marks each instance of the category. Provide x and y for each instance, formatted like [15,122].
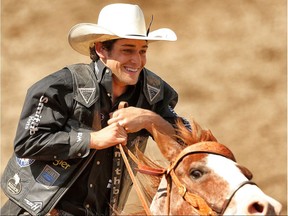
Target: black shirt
[90,194]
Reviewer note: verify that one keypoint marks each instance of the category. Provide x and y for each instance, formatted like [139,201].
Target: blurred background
[229,67]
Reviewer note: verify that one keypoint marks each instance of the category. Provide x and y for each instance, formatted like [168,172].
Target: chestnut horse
[203,178]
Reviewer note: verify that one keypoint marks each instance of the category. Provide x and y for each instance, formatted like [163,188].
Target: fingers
[109,136]
[121,135]
[117,117]
[114,118]
[129,118]
[118,130]
[122,124]
[113,114]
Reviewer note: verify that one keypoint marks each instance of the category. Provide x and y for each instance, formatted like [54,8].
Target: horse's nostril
[262,208]
[258,207]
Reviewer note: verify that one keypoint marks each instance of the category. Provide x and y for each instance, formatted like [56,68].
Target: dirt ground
[229,67]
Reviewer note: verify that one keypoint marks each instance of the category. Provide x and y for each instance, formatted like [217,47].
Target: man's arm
[44,130]
[134,119]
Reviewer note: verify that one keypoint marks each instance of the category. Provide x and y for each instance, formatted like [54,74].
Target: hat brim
[84,35]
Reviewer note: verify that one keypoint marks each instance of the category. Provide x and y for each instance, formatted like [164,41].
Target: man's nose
[136,59]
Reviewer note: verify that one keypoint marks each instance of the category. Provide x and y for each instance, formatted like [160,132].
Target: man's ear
[100,50]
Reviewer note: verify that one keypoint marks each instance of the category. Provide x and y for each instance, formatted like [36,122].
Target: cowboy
[65,161]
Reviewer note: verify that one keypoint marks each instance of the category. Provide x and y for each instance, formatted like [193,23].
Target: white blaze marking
[226,169]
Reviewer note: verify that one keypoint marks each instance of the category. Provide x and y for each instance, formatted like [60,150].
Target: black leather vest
[37,185]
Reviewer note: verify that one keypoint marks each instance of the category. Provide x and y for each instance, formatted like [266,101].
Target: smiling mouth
[132,70]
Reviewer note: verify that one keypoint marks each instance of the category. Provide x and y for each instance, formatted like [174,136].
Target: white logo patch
[33,205]
[87,93]
[13,185]
[37,117]
[79,137]
[24,162]
[153,92]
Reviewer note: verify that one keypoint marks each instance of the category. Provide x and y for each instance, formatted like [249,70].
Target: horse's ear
[168,146]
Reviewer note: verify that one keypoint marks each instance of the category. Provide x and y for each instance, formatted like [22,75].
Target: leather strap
[122,105]
[135,182]
[116,173]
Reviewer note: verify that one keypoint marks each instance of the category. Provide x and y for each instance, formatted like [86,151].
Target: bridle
[196,201]
[193,199]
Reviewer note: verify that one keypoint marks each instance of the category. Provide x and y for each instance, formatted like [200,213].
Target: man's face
[126,60]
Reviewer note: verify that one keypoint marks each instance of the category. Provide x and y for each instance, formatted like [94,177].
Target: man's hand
[134,119]
[109,136]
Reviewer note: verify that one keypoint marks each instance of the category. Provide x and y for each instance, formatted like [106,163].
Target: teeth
[132,69]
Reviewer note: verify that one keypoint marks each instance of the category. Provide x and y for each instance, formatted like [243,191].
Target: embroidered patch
[62,164]
[13,185]
[87,93]
[153,92]
[33,205]
[48,176]
[79,137]
[37,117]
[28,123]
[24,162]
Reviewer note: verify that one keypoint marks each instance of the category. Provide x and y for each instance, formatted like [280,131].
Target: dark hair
[108,45]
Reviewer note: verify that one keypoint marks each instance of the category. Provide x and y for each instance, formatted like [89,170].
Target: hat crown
[123,19]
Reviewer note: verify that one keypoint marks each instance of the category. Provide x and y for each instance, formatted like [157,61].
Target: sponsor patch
[24,162]
[61,163]
[34,122]
[33,205]
[48,176]
[13,185]
[28,123]
[79,137]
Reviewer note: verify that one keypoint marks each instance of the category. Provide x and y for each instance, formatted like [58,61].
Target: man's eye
[128,51]
[143,52]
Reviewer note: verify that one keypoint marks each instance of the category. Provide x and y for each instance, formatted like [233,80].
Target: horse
[203,178]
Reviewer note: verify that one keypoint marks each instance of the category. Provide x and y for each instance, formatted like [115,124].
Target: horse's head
[205,179]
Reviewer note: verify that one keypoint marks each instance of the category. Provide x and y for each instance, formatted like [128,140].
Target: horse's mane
[197,134]
[185,137]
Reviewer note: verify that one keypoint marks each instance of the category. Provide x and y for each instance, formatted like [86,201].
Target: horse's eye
[196,174]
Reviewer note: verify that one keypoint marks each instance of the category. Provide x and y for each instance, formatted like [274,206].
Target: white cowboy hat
[116,21]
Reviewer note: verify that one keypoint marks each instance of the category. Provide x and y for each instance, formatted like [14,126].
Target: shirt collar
[104,76]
